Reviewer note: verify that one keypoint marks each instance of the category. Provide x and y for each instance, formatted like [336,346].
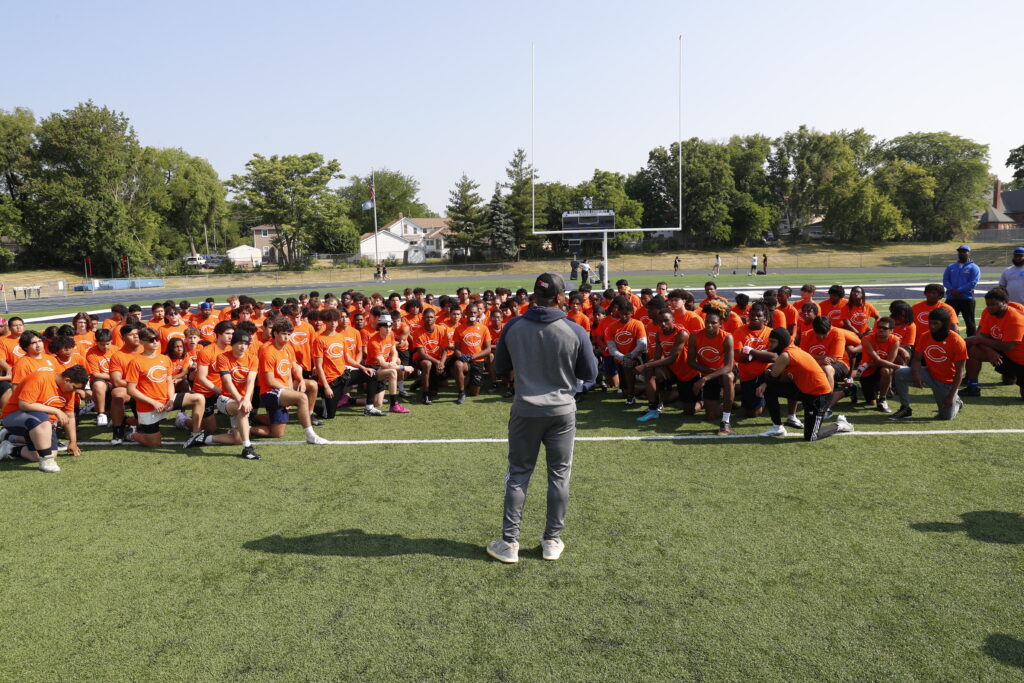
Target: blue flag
[367,205]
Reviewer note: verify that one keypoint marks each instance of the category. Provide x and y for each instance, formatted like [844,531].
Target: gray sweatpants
[525,436]
[902,378]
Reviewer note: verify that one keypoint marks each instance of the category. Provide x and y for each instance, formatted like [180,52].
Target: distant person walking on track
[717,268]
[1012,279]
[764,263]
[584,272]
[960,279]
[544,410]
[675,267]
[753,264]
[574,267]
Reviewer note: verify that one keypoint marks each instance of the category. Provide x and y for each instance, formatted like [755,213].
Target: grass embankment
[855,558]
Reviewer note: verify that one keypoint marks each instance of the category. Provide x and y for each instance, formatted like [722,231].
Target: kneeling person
[36,407]
[279,375]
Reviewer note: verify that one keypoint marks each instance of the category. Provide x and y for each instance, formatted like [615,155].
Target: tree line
[79,183]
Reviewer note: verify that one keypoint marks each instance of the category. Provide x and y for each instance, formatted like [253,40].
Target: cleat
[970,392]
[551,548]
[426,399]
[509,393]
[344,401]
[6,450]
[461,398]
[180,421]
[794,422]
[194,440]
[102,420]
[118,437]
[315,421]
[398,408]
[883,407]
[842,426]
[249,453]
[372,411]
[317,440]
[503,551]
[724,429]
[651,414]
[776,430]
[49,464]
[901,414]
[630,401]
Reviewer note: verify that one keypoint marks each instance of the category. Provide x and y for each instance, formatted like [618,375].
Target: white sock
[726,416]
[310,433]
[246,443]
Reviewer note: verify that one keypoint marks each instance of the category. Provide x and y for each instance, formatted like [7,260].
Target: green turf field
[856,558]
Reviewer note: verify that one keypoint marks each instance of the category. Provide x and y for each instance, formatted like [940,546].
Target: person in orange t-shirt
[119,361]
[881,349]
[790,311]
[279,374]
[148,377]
[173,328]
[711,354]
[752,358]
[999,341]
[329,351]
[472,348]
[626,342]
[430,349]
[97,362]
[238,369]
[205,321]
[36,406]
[207,380]
[668,368]
[905,328]
[832,308]
[940,357]
[857,313]
[495,323]
[933,294]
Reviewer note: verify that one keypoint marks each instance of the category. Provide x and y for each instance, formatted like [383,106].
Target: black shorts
[685,389]
[748,393]
[1010,369]
[405,357]
[842,372]
[712,390]
[308,374]
[476,373]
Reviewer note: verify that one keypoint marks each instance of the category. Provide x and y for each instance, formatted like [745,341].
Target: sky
[439,89]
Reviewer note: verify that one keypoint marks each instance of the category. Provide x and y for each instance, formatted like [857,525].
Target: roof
[436,233]
[1013,201]
[384,234]
[244,249]
[428,223]
[994,215]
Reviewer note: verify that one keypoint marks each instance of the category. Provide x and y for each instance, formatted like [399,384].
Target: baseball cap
[963,247]
[384,320]
[549,285]
[205,305]
[1018,250]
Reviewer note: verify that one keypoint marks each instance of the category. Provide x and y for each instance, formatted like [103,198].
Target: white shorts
[222,408]
[152,417]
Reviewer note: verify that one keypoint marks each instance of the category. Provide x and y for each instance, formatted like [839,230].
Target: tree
[909,187]
[521,175]
[465,215]
[608,190]
[396,193]
[860,213]
[1016,162]
[502,231]
[186,191]
[16,136]
[753,210]
[960,169]
[291,193]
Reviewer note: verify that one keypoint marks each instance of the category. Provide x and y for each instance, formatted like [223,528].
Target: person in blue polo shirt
[960,279]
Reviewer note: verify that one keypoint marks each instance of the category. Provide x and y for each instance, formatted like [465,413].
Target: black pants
[331,404]
[814,408]
[965,311]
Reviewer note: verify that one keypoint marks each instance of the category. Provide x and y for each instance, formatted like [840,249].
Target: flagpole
[373,196]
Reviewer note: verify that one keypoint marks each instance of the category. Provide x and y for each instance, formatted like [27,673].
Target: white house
[399,237]
[244,256]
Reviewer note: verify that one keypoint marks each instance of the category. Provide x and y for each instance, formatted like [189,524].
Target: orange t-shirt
[12,352]
[625,335]
[353,344]
[580,319]
[472,338]
[691,322]
[169,332]
[1008,328]
[278,362]
[859,315]
[120,360]
[755,339]
[155,323]
[41,387]
[921,311]
[332,349]
[27,366]
[807,375]
[833,345]
[886,350]
[679,367]
[710,351]
[208,358]
[150,378]
[790,314]
[907,334]
[205,325]
[435,344]
[940,357]
[302,342]
[85,341]
[99,363]
[237,369]
[377,346]
[597,334]
[834,312]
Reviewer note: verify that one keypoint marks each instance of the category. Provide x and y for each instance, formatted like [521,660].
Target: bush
[227,267]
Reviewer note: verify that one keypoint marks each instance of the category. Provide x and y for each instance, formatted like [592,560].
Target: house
[1006,210]
[244,256]
[263,238]
[407,239]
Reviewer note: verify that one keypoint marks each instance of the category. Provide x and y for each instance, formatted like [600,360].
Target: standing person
[717,268]
[753,264]
[1012,279]
[602,272]
[574,267]
[959,280]
[544,410]
[675,267]
[584,272]
[764,263]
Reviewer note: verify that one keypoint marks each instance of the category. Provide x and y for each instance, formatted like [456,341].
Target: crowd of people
[663,347]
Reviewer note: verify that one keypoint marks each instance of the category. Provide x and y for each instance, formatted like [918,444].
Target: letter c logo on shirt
[157,374]
[935,353]
[710,354]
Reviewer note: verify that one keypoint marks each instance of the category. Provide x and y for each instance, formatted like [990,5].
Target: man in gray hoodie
[549,355]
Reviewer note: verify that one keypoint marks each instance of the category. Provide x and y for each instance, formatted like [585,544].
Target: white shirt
[753,260]
[1013,280]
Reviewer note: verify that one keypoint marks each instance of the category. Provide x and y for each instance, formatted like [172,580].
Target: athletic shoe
[118,437]
[509,393]
[902,413]
[88,407]
[724,429]
[630,401]
[6,447]
[397,407]
[883,407]
[195,440]
[426,399]
[317,440]
[249,453]
[970,392]
[372,411]
[842,425]
[102,420]
[794,422]
[503,551]
[551,548]
[179,421]
[651,414]
[49,464]
[344,401]
[853,394]
[461,398]
[776,430]
[3,434]
[315,421]
[403,394]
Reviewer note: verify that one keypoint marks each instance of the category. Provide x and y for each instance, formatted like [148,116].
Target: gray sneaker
[371,411]
[794,422]
[551,548]
[503,551]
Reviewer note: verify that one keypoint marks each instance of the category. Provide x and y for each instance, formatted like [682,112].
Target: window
[264,233]
[266,250]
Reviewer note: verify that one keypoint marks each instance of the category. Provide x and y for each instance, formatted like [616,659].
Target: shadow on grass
[1005,649]
[989,526]
[358,543]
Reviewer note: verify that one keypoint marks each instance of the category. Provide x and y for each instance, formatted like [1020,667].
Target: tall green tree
[17,130]
[466,218]
[519,176]
[187,193]
[396,192]
[911,189]
[753,210]
[292,193]
[960,169]
[1016,161]
[501,229]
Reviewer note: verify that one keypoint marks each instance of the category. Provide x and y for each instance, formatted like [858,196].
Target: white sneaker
[5,450]
[551,548]
[317,440]
[503,551]
[373,411]
[794,422]
[842,425]
[102,420]
[883,407]
[3,434]
[180,419]
[49,464]
[776,430]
